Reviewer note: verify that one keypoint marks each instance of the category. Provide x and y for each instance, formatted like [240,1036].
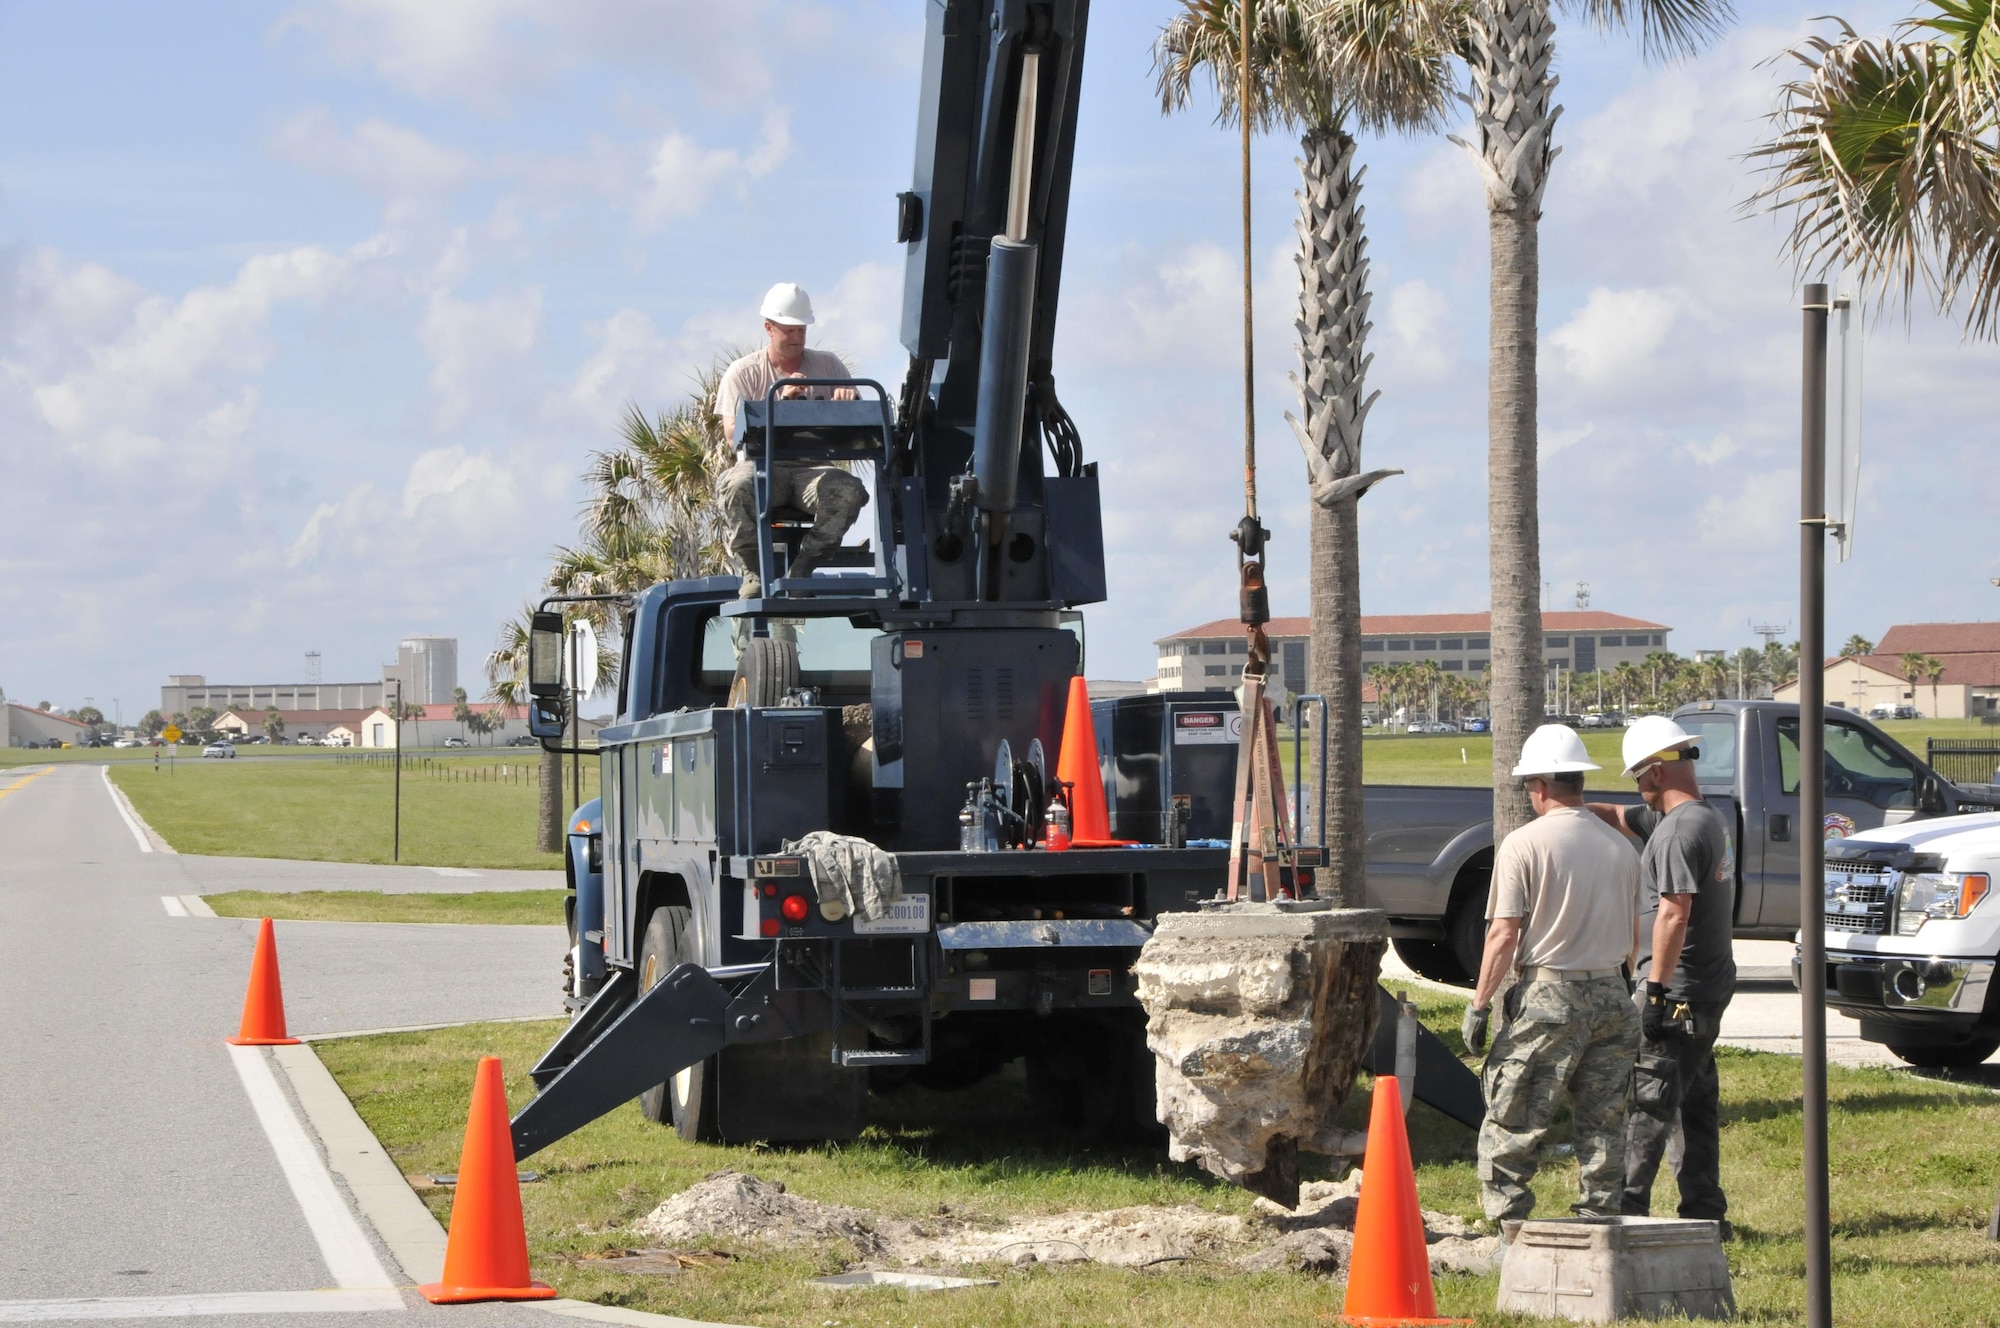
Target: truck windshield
[1858,765]
[833,653]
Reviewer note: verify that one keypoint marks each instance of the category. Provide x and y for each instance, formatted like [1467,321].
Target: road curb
[131,813]
[413,1237]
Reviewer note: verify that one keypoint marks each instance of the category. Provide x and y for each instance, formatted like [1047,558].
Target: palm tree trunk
[1333,332]
[549,817]
[1512,46]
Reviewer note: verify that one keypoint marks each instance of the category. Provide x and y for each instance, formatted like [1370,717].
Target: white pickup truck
[1912,937]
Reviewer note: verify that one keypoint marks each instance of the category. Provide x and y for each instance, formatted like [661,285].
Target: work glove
[1473,1030]
[1656,1016]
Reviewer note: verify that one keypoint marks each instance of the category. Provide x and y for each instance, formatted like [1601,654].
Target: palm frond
[1668,29]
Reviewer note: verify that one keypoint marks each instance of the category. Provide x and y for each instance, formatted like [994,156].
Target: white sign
[580,658]
[911,913]
[1208,726]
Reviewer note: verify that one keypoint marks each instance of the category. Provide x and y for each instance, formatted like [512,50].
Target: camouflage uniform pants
[831,495]
[1579,1038]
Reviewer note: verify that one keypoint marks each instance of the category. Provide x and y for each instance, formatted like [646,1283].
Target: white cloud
[485,53]
[682,174]
[1417,320]
[1717,449]
[1548,442]
[476,348]
[1752,513]
[1615,337]
[385,159]
[468,489]
[861,318]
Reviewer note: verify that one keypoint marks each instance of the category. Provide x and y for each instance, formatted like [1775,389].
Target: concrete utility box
[1600,1269]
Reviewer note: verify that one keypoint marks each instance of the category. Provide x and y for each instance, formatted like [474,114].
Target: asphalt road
[133,1163]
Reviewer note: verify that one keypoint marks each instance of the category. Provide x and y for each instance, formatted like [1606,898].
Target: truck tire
[768,669]
[686,1101]
[1465,926]
[1959,1055]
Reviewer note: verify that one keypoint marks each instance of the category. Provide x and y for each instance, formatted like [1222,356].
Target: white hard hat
[788,303]
[1648,737]
[1553,749]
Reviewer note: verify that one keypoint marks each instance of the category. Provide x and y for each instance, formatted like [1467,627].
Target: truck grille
[1858,902]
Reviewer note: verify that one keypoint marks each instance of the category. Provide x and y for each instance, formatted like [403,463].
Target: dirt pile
[1316,1237]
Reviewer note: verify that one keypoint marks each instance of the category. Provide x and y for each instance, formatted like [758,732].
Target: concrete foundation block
[1602,1269]
[1259,1016]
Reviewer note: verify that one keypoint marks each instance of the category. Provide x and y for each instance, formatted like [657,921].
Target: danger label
[1202,726]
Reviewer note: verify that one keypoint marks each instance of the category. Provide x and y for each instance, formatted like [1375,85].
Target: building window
[1478,643]
[1452,643]
[1452,666]
[1614,641]
[1295,665]
[1371,645]
[1215,647]
[1424,645]
[1659,639]
[1474,665]
[1586,654]
[1214,670]
[1562,663]
[1562,641]
[1399,645]
[1239,647]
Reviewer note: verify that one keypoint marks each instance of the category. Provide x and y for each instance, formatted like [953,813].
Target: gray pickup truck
[1430,850]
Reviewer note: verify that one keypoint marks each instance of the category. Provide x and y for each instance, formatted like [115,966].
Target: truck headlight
[1921,896]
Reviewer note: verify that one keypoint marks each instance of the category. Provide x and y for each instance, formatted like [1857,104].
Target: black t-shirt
[1688,852]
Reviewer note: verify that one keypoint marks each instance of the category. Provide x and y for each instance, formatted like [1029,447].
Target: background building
[21,725]
[1967,687]
[428,668]
[1575,641]
[184,692]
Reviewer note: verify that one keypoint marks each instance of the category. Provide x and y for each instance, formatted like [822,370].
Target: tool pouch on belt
[1656,1085]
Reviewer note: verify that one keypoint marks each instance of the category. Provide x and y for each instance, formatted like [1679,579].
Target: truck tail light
[768,927]
[794,907]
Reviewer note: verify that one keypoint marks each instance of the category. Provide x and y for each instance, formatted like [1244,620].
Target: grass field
[505,907]
[1915,1172]
[469,811]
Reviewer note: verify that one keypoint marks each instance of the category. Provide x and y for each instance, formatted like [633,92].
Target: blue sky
[310,316]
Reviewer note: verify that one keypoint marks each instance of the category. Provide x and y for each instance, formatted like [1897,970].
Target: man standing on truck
[1687,968]
[1564,906]
[831,496]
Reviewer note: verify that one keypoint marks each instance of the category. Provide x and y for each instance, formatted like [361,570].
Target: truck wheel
[1959,1055]
[686,1101]
[1465,927]
[768,669]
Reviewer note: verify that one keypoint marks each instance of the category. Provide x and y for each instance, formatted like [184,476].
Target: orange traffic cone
[486,1254]
[1389,1272]
[1090,825]
[264,1003]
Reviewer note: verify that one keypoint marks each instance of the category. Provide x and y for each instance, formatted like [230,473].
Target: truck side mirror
[1931,798]
[548,716]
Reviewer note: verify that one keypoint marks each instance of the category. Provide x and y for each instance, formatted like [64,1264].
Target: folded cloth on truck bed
[854,871]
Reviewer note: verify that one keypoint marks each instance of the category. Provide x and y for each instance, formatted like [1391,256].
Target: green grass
[457,811]
[1914,1175]
[527,908]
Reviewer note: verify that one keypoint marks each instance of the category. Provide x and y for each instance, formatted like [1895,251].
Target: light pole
[396,850]
[1812,805]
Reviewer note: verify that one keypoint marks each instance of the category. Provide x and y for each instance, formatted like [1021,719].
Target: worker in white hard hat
[1562,914]
[1686,970]
[827,492]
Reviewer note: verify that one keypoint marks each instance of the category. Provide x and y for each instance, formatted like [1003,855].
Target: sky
[311,316]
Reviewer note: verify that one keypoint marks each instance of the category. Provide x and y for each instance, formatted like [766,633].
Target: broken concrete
[1259,1016]
[1314,1237]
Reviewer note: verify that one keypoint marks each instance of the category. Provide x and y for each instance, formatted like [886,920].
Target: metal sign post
[1812,805]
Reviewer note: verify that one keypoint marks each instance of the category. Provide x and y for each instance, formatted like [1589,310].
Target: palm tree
[1857,646]
[1325,70]
[1884,154]
[507,683]
[1510,50]
[274,724]
[1934,670]
[1912,664]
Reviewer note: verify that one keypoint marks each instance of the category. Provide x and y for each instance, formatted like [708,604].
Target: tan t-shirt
[1574,882]
[749,378]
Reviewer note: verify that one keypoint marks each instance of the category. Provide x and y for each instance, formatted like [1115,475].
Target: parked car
[220,750]
[1477,726]
[456,742]
[521,740]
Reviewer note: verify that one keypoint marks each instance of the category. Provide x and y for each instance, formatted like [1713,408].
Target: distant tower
[1770,632]
[1583,594]
[312,666]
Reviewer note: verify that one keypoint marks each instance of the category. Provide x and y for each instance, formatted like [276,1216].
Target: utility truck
[908,698]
